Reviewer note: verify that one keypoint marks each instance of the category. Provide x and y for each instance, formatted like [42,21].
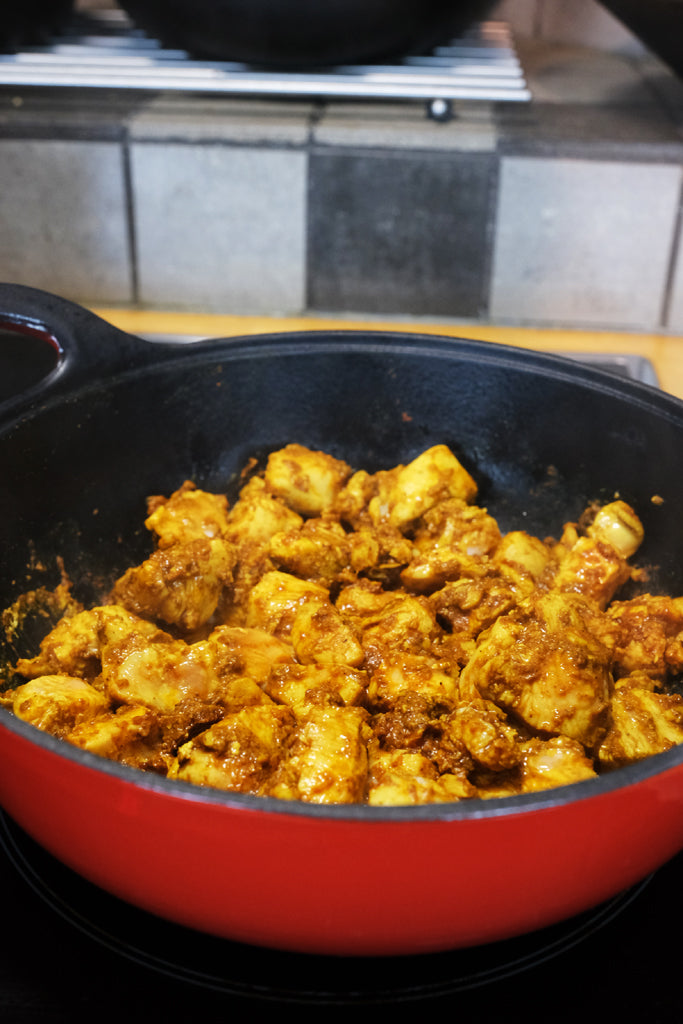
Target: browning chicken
[340,636]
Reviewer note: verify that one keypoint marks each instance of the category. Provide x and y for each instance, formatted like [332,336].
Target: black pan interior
[542,436]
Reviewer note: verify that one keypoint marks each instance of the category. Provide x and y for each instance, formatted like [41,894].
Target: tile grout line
[131,232]
[674,258]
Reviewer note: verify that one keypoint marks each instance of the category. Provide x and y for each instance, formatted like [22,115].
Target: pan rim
[165,356]
[296,343]
[475,809]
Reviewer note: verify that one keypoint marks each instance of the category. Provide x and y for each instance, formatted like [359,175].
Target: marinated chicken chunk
[649,636]
[75,645]
[405,493]
[308,481]
[303,613]
[344,636]
[318,549]
[596,565]
[189,514]
[450,542]
[642,722]
[57,704]
[129,734]
[399,777]
[546,664]
[327,761]
[240,752]
[554,762]
[179,585]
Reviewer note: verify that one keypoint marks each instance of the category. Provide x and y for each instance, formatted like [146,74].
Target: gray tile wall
[401,232]
[220,227]
[562,211]
[585,242]
[63,218]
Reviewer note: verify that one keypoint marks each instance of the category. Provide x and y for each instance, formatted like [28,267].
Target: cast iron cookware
[119,418]
[31,22]
[305,33]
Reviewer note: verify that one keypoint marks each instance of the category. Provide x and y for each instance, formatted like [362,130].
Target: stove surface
[71,949]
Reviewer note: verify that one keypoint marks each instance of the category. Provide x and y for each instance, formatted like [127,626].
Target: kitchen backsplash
[564,210]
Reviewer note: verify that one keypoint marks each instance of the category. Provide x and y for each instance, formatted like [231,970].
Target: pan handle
[87,347]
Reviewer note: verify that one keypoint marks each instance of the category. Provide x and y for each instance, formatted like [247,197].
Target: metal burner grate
[103,49]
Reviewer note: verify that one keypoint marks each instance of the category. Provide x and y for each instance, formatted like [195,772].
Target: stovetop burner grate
[103,49]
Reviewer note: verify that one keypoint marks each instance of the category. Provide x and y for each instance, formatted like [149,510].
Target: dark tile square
[399,232]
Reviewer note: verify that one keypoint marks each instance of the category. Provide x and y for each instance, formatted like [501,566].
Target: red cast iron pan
[118,418]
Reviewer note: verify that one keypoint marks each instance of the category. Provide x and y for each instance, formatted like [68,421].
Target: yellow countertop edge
[664,351]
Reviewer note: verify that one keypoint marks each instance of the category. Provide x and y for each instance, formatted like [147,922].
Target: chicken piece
[308,481]
[451,540]
[129,735]
[257,516]
[238,753]
[407,777]
[593,569]
[522,560]
[642,723]
[618,525]
[384,619]
[253,520]
[275,600]
[327,762]
[320,549]
[400,673]
[238,650]
[374,552]
[154,675]
[180,585]
[393,552]
[468,606]
[189,514]
[454,524]
[492,586]
[162,674]
[545,663]
[596,565]
[74,646]
[350,505]
[320,635]
[559,761]
[483,731]
[405,724]
[401,642]
[301,686]
[407,492]
[57,703]
[231,694]
[302,612]
[649,635]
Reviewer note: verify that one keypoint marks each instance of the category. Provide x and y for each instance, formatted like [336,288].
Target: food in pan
[340,636]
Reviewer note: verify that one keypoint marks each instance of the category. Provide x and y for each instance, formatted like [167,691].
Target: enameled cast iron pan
[119,418]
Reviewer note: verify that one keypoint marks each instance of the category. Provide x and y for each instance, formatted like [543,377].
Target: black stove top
[73,953]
